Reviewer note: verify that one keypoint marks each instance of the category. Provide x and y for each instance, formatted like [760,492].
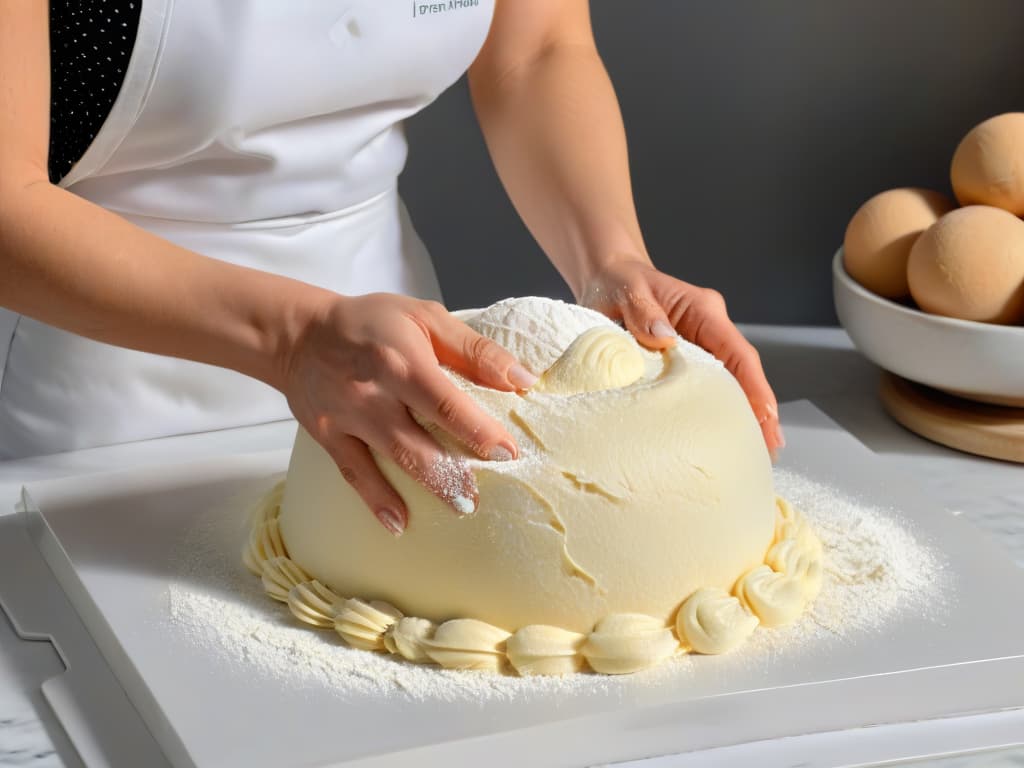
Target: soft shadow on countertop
[826,370]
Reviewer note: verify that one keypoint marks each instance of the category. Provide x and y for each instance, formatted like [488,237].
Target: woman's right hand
[363,364]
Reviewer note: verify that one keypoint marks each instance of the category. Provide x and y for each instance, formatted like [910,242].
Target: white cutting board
[106,539]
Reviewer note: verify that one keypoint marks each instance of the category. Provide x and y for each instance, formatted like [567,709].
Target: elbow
[18,190]
[16,183]
[19,174]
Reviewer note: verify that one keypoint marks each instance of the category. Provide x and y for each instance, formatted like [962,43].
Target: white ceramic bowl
[981,361]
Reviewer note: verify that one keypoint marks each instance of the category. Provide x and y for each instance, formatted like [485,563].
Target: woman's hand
[363,365]
[654,306]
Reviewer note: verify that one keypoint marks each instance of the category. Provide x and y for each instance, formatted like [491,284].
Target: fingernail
[391,520]
[453,482]
[520,377]
[468,499]
[662,330]
[464,505]
[501,452]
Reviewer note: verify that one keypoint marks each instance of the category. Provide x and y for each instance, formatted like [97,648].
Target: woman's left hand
[655,306]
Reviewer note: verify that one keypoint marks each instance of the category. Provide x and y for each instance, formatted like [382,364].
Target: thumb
[646,320]
[478,358]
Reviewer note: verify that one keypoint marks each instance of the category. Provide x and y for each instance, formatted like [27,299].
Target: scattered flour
[876,572]
[874,566]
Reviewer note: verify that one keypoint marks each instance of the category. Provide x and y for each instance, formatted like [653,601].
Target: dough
[638,522]
[625,499]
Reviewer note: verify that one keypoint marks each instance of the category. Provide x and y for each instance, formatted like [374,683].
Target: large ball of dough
[988,165]
[970,265]
[642,478]
[882,232]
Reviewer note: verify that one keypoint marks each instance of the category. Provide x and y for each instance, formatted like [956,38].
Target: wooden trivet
[986,430]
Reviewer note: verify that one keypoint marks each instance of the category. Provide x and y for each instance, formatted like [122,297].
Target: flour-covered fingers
[645,318]
[357,466]
[396,434]
[713,330]
[476,357]
[433,396]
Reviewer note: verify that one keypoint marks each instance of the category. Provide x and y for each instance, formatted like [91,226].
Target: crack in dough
[517,419]
[591,486]
[554,523]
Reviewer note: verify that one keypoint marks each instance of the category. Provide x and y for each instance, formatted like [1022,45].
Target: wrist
[292,311]
[597,273]
[590,251]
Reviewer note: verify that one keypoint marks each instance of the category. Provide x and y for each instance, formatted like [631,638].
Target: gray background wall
[756,128]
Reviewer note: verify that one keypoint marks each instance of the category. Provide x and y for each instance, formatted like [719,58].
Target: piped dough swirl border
[710,621]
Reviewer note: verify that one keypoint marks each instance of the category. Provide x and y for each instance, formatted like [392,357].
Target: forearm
[555,133]
[74,265]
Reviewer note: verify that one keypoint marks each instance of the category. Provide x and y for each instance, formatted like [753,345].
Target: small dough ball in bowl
[882,232]
[988,165]
[970,265]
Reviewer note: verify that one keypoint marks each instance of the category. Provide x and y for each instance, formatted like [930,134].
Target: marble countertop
[818,364]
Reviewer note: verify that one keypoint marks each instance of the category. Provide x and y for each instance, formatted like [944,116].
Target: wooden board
[982,429]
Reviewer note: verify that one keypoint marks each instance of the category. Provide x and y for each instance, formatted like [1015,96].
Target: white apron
[261,132]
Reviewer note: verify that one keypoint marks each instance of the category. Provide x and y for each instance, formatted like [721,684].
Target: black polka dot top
[90,44]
